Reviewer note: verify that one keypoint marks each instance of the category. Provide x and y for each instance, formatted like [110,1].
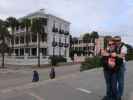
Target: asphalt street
[88,85]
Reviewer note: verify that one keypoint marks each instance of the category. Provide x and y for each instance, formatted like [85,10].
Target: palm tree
[37,27]
[4,36]
[87,39]
[12,22]
[71,51]
[26,23]
[94,35]
[74,40]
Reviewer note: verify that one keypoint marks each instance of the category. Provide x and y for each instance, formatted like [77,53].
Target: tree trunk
[3,56]
[38,49]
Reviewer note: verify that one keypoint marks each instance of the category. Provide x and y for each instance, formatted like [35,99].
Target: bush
[90,63]
[57,59]
[129,56]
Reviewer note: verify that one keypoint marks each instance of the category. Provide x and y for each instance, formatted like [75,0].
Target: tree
[12,23]
[87,40]
[94,35]
[71,51]
[26,23]
[4,36]
[37,27]
[74,40]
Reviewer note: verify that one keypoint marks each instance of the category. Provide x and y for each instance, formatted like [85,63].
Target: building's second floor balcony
[22,40]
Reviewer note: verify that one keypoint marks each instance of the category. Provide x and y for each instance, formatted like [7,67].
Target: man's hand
[119,55]
[113,54]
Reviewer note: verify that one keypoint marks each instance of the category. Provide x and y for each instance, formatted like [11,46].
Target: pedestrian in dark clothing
[52,73]
[121,53]
[110,64]
[35,76]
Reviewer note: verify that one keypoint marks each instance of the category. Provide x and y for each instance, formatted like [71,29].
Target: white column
[18,51]
[41,56]
[25,38]
[30,51]
[25,56]
[30,37]
[19,40]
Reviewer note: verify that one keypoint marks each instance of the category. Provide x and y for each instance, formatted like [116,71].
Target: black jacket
[105,65]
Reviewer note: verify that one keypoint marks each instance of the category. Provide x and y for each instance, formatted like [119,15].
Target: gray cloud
[85,15]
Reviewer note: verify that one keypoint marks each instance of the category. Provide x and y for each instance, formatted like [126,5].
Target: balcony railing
[19,57]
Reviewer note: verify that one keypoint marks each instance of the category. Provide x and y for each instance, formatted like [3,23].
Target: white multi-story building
[55,41]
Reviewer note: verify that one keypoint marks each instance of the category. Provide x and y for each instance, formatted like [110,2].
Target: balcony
[55,30]
[54,44]
[66,45]
[66,33]
[60,44]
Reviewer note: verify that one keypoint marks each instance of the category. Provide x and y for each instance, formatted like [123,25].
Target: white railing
[25,60]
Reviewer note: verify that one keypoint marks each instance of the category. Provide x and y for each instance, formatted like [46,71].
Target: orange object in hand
[111,62]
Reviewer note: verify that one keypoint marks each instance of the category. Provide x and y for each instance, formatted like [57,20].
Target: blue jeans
[120,80]
[111,85]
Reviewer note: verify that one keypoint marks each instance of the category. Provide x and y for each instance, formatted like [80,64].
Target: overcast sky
[105,16]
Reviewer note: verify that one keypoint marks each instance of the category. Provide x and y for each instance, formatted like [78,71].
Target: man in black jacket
[121,52]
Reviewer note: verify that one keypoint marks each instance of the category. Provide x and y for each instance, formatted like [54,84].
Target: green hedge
[90,62]
[129,56]
[94,62]
[57,59]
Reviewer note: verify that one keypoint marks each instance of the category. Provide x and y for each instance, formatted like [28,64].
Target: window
[43,51]
[84,48]
[34,52]
[16,39]
[16,52]
[80,41]
[43,37]
[21,52]
[43,21]
[34,37]
[27,50]
[21,39]
[88,48]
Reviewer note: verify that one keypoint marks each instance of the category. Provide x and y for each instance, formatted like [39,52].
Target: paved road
[88,85]
[10,77]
